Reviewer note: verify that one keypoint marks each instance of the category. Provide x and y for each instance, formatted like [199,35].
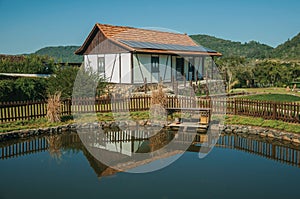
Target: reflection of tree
[160,140]
[55,144]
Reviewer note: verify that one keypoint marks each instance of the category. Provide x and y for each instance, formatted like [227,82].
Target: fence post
[235,107]
[145,87]
[274,110]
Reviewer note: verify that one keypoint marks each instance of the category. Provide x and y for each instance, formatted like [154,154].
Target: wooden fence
[289,112]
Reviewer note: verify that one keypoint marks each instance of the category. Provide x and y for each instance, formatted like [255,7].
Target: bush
[22,89]
[62,81]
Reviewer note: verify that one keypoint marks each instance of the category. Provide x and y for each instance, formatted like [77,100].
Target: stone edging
[262,132]
[226,129]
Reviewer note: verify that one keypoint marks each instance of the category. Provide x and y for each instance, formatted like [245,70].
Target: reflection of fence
[271,150]
[19,147]
[23,147]
[275,150]
[286,111]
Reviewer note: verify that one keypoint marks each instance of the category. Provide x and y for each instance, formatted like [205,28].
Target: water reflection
[132,147]
[120,146]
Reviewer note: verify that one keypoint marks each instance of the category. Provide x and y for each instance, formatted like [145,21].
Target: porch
[166,68]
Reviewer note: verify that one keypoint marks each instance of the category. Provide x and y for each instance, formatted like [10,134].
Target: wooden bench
[205,113]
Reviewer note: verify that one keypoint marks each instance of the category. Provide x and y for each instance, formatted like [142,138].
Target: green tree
[87,82]
[32,64]
[62,81]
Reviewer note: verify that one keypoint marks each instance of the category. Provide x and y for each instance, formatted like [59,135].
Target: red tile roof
[119,33]
[143,35]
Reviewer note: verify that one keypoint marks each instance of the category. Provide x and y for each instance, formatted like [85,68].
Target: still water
[61,166]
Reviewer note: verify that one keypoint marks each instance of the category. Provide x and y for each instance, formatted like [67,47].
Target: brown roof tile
[143,35]
[117,33]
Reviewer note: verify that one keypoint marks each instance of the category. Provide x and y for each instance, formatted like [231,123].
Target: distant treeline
[290,50]
[61,54]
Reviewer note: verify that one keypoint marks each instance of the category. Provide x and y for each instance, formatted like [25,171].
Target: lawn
[269,90]
[273,97]
[256,121]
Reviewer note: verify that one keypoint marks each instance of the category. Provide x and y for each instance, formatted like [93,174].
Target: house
[130,55]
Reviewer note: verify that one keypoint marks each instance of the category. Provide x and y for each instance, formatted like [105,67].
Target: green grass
[269,90]
[273,97]
[253,121]
[31,124]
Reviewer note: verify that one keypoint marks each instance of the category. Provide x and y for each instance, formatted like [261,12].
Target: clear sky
[28,25]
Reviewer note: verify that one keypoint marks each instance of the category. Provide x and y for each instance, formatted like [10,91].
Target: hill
[229,48]
[61,53]
[290,50]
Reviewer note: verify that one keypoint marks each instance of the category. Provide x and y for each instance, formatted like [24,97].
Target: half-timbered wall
[143,69]
[117,66]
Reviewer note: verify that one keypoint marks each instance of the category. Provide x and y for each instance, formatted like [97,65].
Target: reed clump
[159,97]
[53,107]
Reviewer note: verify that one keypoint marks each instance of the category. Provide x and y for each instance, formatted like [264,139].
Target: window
[154,64]
[101,65]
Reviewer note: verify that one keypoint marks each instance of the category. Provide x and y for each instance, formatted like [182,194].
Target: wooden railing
[285,111]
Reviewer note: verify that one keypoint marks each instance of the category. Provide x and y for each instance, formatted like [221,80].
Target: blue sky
[28,25]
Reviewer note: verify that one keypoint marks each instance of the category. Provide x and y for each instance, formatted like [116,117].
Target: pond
[65,166]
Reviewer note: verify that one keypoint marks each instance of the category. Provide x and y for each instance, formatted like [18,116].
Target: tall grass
[53,107]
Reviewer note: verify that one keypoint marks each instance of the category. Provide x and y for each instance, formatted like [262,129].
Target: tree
[62,81]
[76,82]
[33,64]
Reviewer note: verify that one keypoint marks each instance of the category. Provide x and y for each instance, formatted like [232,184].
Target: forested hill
[61,53]
[289,50]
[229,48]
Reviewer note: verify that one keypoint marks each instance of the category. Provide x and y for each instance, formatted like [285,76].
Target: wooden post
[274,110]
[184,80]
[212,67]
[145,87]
[235,106]
[176,88]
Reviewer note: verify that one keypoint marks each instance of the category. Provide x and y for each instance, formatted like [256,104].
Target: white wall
[90,61]
[126,68]
[142,69]
[165,67]
[112,66]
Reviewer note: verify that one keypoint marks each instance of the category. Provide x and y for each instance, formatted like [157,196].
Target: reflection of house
[131,55]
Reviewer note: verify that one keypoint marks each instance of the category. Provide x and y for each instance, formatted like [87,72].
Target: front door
[191,75]
[179,68]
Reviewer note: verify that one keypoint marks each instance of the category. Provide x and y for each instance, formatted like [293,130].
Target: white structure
[129,55]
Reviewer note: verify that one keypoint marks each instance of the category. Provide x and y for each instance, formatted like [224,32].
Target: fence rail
[285,111]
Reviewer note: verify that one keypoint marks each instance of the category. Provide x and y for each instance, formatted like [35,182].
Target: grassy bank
[253,121]
[273,97]
[269,90]
[31,124]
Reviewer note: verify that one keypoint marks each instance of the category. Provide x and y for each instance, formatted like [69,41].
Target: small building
[130,55]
